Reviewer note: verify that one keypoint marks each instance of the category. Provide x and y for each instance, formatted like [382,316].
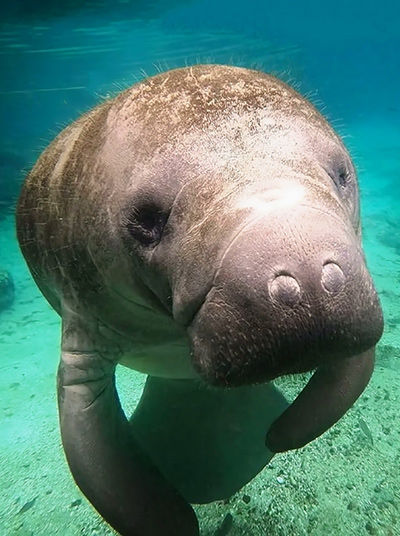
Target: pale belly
[171,360]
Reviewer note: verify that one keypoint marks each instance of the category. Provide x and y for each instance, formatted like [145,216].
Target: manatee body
[202,227]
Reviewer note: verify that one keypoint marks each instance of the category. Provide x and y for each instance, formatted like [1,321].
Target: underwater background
[58,60]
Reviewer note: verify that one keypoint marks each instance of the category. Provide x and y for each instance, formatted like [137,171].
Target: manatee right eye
[146,224]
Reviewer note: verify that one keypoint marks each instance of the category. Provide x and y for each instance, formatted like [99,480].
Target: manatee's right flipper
[330,392]
[107,464]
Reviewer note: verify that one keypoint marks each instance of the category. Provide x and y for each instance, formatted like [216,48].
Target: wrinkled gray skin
[202,227]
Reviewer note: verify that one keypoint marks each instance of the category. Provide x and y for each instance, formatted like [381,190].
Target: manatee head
[235,208]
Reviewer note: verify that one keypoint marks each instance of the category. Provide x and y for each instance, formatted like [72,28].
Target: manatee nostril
[332,278]
[285,289]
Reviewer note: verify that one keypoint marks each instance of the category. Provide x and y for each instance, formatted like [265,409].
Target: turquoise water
[57,63]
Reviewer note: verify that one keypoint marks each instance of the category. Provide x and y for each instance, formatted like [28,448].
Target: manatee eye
[146,224]
[340,176]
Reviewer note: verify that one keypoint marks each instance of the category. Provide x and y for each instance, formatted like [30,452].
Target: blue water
[58,62]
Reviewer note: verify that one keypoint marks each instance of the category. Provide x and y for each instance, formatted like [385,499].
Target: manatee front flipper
[331,391]
[107,464]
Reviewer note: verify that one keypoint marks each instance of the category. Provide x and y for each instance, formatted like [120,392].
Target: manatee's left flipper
[107,464]
[331,391]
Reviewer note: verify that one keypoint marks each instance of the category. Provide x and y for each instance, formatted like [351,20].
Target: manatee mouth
[236,359]
[237,344]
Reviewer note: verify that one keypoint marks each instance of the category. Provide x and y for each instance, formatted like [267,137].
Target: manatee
[201,227]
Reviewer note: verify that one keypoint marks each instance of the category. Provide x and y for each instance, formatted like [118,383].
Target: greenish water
[57,63]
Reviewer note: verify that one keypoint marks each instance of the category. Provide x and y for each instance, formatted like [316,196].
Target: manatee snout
[292,293]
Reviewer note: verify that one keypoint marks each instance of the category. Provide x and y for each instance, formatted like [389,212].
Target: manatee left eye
[340,176]
[146,224]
